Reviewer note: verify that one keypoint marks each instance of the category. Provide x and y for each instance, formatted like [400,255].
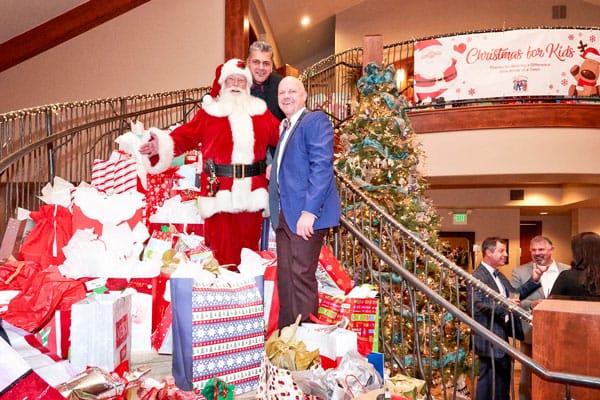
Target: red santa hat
[235,66]
[591,54]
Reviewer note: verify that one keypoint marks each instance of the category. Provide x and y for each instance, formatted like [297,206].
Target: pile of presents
[118,265]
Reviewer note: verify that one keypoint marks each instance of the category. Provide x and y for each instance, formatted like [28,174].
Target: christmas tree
[380,154]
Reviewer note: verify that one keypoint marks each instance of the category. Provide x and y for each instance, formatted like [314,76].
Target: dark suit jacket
[492,317]
[269,94]
[306,180]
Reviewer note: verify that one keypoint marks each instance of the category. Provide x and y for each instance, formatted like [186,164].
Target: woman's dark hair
[586,257]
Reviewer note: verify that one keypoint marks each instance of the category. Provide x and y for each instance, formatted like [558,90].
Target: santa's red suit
[236,141]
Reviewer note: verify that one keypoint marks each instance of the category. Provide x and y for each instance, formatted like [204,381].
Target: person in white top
[541,255]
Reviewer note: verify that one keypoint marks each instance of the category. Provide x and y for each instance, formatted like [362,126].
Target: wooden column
[237,29]
[372,49]
[565,339]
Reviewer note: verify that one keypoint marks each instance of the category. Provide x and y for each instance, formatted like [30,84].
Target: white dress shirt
[549,277]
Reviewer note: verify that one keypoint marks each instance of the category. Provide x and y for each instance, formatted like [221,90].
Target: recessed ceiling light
[305,21]
[544,213]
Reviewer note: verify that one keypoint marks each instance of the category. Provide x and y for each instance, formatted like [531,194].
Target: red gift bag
[330,271]
[160,187]
[52,231]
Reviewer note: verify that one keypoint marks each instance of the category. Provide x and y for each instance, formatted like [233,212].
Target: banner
[528,62]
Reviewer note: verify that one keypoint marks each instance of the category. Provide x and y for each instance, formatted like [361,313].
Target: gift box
[358,311]
[118,174]
[101,331]
[55,335]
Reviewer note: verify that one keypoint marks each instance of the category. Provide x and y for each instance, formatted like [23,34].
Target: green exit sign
[459,218]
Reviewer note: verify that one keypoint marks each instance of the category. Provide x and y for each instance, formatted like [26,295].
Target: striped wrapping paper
[116,175]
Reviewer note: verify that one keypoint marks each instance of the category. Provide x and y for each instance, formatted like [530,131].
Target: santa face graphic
[436,69]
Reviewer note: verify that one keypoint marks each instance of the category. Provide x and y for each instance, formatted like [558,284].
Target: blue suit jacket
[306,180]
[492,317]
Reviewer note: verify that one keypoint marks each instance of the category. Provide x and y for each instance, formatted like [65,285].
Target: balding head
[291,95]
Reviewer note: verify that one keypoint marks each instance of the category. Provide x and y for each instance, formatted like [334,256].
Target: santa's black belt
[237,171]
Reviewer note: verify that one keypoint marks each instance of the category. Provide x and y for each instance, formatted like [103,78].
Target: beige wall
[162,45]
[505,224]
[399,21]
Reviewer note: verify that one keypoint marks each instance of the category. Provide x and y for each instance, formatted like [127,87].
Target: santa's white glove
[150,148]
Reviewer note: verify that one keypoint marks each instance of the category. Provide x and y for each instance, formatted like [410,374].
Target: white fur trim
[231,68]
[243,138]
[166,147]
[241,198]
[206,100]
[256,106]
[592,56]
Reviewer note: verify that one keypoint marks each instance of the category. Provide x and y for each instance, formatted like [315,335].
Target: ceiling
[301,46]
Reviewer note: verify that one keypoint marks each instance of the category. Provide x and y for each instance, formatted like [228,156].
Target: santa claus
[233,130]
[435,69]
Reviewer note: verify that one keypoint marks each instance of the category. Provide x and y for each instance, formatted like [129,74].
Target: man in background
[495,366]
[264,80]
[541,249]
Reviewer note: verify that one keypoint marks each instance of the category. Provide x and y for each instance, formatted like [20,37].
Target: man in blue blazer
[303,200]
[494,365]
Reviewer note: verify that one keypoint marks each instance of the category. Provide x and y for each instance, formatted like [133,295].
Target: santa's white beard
[238,102]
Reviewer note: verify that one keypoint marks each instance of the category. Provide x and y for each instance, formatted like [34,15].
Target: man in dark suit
[264,80]
[303,200]
[494,365]
[541,249]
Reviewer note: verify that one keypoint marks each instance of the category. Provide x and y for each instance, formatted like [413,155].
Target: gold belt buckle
[242,167]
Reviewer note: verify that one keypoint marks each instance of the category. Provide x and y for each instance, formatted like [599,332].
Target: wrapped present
[159,189]
[116,175]
[358,311]
[330,271]
[218,328]
[101,331]
[55,335]
[159,243]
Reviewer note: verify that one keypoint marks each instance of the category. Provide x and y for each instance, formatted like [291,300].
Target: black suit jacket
[494,317]
[269,94]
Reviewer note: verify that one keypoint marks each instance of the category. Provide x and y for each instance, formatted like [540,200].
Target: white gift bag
[101,331]
[332,342]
